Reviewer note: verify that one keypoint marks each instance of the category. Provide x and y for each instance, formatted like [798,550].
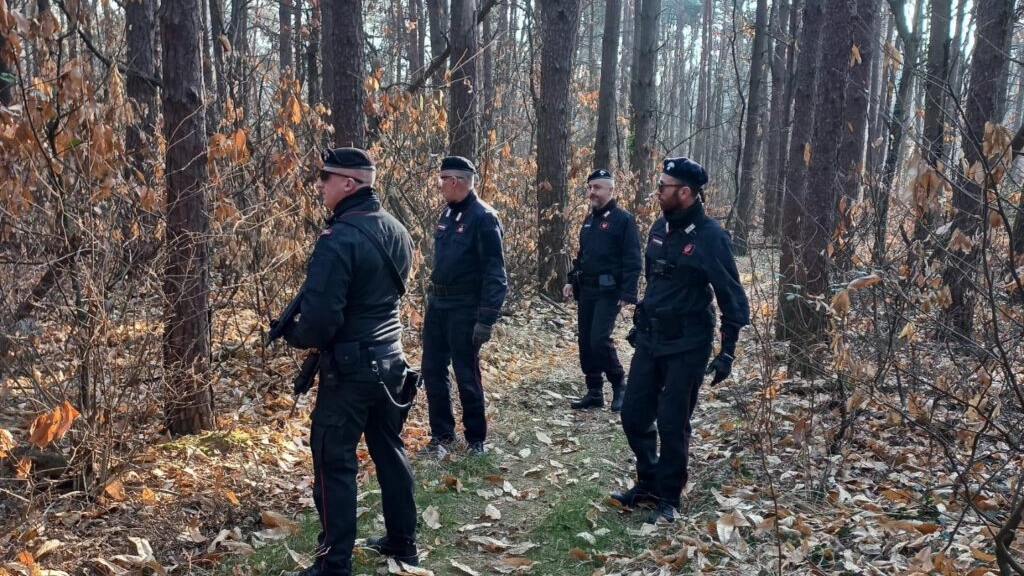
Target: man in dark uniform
[688,254]
[467,290]
[603,279]
[349,312]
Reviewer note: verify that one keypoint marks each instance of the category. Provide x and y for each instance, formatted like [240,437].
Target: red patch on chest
[605,225]
[688,249]
[461,228]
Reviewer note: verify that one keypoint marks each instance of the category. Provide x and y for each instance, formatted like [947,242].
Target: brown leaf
[579,555]
[52,425]
[841,303]
[230,495]
[854,56]
[807,154]
[115,489]
[864,282]
[6,443]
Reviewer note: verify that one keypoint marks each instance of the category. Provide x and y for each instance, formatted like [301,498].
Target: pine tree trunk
[606,93]
[643,96]
[853,145]
[140,28]
[313,78]
[186,344]
[752,134]
[437,16]
[219,35]
[986,89]
[793,209]
[559,28]
[463,115]
[284,39]
[820,200]
[344,69]
[774,169]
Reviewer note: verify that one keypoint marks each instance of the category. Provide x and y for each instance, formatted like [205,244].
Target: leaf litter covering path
[537,502]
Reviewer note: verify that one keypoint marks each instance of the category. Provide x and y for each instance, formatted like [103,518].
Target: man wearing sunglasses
[688,260]
[466,292]
[603,279]
[349,313]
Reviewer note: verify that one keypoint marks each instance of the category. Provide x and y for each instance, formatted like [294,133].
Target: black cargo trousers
[353,401]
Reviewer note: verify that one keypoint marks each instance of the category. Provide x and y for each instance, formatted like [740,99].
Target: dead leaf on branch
[6,443]
[52,425]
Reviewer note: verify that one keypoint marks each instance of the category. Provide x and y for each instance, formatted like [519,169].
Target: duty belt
[589,281]
[362,354]
[453,289]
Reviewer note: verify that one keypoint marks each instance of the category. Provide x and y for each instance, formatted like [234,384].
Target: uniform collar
[605,210]
[466,202]
[682,219]
[364,198]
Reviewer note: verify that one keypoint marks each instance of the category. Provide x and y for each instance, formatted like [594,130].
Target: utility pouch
[606,282]
[345,356]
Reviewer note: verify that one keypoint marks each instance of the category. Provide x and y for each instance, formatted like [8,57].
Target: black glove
[631,337]
[721,366]
[481,334]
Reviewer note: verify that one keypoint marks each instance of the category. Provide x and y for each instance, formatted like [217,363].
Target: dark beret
[687,170]
[601,174]
[350,158]
[457,163]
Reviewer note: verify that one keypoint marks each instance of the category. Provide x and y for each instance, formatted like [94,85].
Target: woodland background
[156,209]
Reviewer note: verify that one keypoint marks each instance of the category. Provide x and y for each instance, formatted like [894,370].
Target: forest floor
[765,495]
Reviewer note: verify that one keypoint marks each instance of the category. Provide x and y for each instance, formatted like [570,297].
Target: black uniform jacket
[469,263]
[610,244]
[688,261]
[349,295]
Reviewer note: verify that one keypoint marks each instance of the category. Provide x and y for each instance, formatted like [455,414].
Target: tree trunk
[606,92]
[936,84]
[314,94]
[986,88]
[852,148]
[219,69]
[559,27]
[344,69]
[284,43]
[793,209]
[896,127]
[774,171]
[186,344]
[238,33]
[752,134]
[704,84]
[140,27]
[437,16]
[643,95]
[880,79]
[463,115]
[7,77]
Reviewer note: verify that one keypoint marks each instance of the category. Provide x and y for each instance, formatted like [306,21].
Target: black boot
[593,399]
[635,496]
[617,393]
[403,552]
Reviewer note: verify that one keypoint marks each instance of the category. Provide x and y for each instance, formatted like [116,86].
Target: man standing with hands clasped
[467,290]
[688,260]
[603,279]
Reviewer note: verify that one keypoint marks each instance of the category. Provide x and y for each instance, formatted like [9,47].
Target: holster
[407,394]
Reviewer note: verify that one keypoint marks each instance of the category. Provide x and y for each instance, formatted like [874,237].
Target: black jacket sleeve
[494,285]
[732,299]
[632,261]
[321,312]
